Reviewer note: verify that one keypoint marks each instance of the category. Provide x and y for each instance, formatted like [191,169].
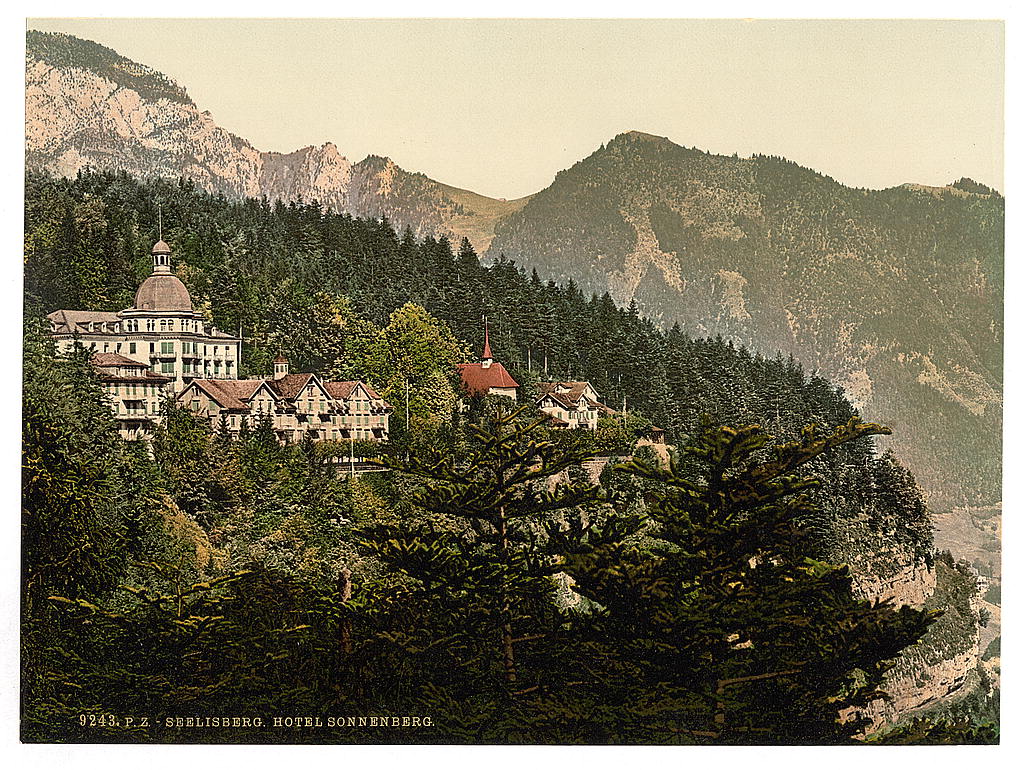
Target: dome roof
[161,247]
[163,291]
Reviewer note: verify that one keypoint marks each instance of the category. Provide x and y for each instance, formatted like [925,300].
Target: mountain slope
[895,293]
[88,106]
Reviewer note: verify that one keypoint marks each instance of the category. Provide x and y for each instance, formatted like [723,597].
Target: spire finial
[487,343]
[160,221]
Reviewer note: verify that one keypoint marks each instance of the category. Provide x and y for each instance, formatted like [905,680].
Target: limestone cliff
[86,106]
[944,666]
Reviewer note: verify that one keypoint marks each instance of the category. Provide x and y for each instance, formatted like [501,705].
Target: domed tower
[163,290]
[165,332]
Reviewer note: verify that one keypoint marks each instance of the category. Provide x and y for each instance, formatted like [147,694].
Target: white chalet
[571,405]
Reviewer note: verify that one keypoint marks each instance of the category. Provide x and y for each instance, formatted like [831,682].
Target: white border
[158,757]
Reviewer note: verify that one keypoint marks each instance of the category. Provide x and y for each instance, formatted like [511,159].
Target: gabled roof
[558,398]
[71,321]
[342,390]
[477,380]
[573,398]
[290,385]
[230,394]
[573,389]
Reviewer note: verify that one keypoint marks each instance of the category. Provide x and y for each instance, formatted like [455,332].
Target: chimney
[280,367]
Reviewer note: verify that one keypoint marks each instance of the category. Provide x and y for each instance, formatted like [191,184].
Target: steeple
[487,358]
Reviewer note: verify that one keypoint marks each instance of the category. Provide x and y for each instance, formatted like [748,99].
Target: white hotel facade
[161,330]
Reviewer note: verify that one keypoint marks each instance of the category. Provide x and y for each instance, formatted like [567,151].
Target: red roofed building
[487,378]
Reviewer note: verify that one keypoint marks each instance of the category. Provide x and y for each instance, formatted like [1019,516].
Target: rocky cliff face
[87,106]
[944,666]
[912,584]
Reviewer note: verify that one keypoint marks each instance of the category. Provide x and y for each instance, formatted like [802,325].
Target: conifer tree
[715,624]
[474,604]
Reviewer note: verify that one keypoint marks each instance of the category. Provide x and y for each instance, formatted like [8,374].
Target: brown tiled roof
[71,321]
[341,389]
[290,385]
[230,394]
[477,380]
[146,376]
[104,362]
[580,402]
[115,359]
[561,398]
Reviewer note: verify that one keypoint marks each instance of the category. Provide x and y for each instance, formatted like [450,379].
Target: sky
[499,106]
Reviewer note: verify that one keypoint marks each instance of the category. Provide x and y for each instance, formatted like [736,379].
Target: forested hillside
[288,562]
[896,294]
[298,279]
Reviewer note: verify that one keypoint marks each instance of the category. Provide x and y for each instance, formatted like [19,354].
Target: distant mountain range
[88,106]
[894,294]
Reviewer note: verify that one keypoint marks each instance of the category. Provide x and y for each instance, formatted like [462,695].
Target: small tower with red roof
[487,378]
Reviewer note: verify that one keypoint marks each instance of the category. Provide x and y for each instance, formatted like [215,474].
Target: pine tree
[474,609]
[716,624]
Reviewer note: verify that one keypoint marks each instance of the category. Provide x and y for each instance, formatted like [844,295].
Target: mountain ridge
[775,256]
[88,106]
[759,249]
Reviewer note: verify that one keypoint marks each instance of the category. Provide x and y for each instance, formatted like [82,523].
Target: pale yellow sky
[499,107]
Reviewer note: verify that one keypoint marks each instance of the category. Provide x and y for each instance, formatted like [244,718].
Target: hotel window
[166,347]
[131,347]
[167,367]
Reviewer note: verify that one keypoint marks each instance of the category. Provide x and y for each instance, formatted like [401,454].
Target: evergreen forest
[498,581]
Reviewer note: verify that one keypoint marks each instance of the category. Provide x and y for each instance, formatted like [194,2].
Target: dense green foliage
[238,576]
[248,578]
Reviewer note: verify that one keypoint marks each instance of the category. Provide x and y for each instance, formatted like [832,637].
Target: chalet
[297,405]
[487,378]
[571,405]
[135,393]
